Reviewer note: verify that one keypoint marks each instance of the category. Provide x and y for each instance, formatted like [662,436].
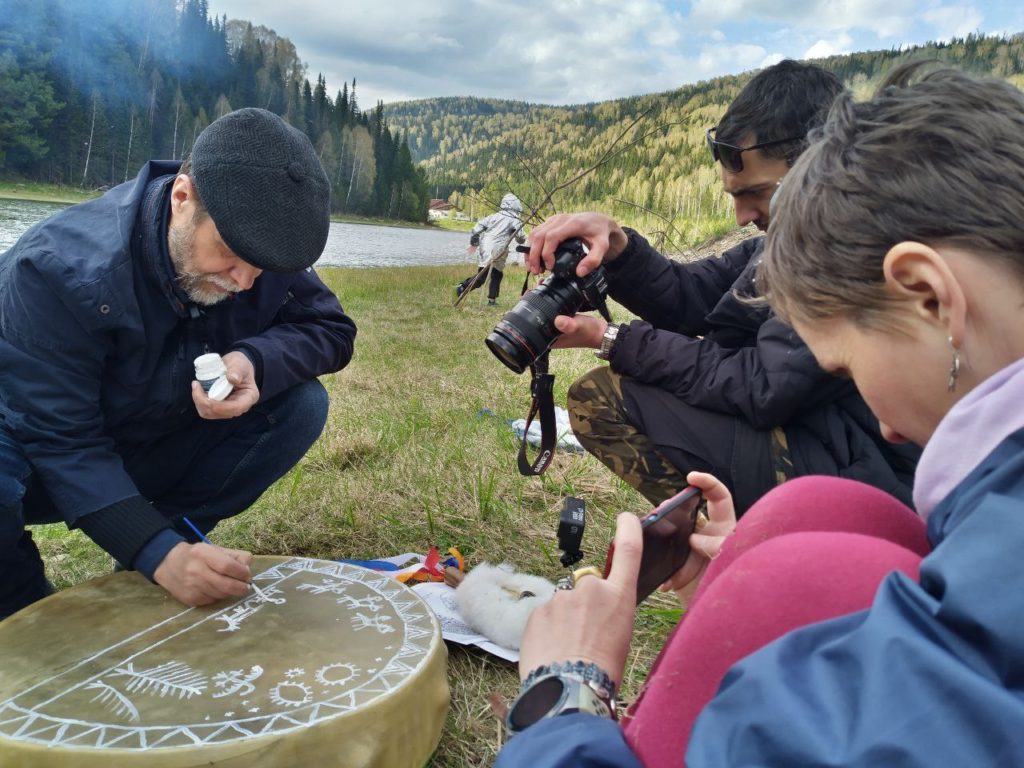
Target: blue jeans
[210,471]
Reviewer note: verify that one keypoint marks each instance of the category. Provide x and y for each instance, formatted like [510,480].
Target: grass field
[407,461]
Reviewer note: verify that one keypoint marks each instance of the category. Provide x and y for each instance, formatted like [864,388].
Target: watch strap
[611,333]
[589,672]
[561,689]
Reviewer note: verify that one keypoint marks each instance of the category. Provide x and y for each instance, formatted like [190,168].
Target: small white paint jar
[212,375]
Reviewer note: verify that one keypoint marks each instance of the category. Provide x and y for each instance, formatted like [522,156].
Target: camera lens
[508,347]
[528,329]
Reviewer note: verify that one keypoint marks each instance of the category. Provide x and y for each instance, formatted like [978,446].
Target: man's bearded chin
[200,287]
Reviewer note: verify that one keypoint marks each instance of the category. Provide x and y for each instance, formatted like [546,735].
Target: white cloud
[712,13]
[568,51]
[662,36]
[731,58]
[884,18]
[954,21]
[841,43]
[429,42]
[539,50]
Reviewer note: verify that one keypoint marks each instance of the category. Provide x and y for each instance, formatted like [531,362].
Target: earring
[954,367]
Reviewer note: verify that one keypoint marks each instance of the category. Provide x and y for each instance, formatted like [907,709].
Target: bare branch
[664,218]
[608,154]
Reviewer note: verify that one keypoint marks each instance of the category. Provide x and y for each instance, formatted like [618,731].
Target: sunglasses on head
[730,156]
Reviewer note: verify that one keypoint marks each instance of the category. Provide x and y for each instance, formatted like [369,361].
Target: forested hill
[656,173]
[444,125]
[91,90]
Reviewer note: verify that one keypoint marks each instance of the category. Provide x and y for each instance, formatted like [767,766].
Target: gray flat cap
[265,188]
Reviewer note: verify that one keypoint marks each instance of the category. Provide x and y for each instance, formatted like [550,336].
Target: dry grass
[407,460]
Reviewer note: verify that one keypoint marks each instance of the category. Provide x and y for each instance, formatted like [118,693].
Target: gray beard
[196,285]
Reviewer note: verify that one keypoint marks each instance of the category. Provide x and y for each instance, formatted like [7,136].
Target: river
[348,245]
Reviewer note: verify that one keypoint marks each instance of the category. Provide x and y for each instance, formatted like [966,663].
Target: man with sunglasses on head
[707,380]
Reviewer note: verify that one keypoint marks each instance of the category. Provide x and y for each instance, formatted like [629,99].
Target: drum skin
[336,666]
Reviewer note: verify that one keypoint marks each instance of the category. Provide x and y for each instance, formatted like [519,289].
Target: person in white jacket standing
[492,237]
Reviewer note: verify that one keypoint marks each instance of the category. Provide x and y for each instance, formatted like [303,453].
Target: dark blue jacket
[932,674]
[97,343]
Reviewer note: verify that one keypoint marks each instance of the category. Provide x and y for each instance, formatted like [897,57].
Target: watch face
[536,702]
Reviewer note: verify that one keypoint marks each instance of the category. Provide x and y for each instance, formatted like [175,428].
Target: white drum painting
[327,664]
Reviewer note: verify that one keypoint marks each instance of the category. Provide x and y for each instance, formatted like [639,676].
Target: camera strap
[542,386]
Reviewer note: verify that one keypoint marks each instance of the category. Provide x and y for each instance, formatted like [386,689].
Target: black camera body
[572,520]
[528,330]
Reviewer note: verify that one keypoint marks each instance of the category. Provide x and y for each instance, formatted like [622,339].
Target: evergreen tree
[321,106]
[27,103]
[341,106]
[308,113]
[353,105]
[294,113]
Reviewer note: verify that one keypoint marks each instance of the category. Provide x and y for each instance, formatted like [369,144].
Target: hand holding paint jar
[212,375]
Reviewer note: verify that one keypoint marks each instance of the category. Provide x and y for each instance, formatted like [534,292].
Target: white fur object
[497,601]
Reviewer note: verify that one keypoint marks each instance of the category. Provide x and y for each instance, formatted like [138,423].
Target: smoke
[111,47]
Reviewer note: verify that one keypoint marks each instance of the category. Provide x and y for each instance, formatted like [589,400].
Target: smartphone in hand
[667,530]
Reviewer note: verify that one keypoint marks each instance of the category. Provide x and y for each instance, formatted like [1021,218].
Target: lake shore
[62,193]
[45,193]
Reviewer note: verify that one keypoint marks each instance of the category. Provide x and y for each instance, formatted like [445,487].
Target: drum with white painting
[329,664]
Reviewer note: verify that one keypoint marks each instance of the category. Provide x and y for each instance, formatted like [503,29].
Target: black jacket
[700,341]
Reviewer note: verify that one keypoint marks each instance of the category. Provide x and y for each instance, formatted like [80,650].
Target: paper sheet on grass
[441,599]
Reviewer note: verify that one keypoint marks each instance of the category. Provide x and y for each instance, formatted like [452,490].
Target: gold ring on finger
[590,570]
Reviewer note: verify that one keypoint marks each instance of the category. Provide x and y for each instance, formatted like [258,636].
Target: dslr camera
[528,330]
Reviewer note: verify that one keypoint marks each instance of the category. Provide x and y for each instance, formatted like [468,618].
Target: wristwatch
[556,694]
[611,333]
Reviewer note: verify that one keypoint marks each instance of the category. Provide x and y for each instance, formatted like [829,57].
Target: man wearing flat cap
[103,308]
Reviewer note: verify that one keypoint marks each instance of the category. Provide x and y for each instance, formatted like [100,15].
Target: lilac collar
[971,430]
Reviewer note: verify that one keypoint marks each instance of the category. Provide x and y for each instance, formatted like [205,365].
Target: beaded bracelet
[586,671]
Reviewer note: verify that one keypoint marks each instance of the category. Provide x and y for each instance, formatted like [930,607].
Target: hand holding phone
[666,537]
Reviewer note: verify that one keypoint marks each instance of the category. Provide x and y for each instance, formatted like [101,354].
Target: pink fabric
[811,549]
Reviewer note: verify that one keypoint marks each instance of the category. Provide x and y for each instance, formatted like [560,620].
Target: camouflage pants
[600,415]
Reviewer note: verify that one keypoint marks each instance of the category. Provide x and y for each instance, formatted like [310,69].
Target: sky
[576,51]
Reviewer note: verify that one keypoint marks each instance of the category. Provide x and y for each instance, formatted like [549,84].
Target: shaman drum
[334,666]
